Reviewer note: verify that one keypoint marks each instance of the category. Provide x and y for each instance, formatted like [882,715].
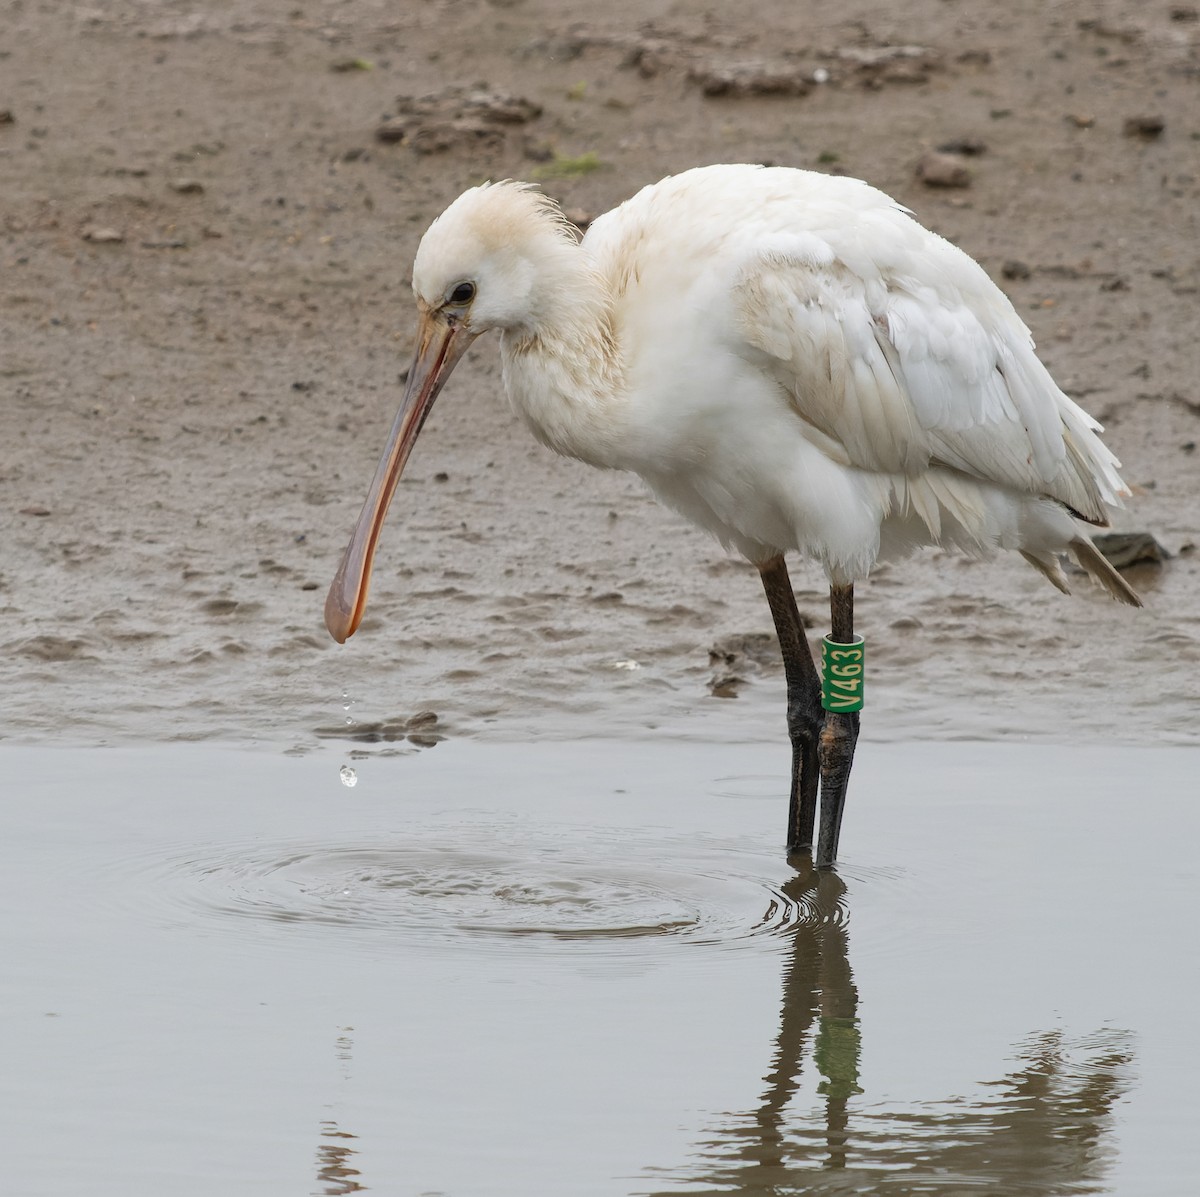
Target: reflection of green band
[842,674]
[837,1053]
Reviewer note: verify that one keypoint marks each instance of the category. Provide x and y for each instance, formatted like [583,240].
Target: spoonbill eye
[463,293]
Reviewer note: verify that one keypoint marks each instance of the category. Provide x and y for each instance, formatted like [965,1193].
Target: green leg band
[842,674]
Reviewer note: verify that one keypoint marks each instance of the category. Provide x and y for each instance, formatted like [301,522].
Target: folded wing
[901,375]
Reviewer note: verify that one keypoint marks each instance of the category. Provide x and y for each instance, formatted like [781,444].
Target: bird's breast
[568,400]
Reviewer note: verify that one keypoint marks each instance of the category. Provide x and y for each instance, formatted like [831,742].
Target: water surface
[586,969]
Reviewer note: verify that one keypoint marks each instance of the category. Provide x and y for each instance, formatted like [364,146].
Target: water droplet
[348,776]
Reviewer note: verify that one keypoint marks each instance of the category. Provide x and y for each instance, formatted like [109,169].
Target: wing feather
[906,375]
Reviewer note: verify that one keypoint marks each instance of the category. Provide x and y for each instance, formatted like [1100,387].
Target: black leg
[838,738]
[804,714]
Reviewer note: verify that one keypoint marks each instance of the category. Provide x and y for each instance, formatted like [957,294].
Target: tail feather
[1096,564]
[1050,569]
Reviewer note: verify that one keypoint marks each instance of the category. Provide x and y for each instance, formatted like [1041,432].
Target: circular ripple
[436,892]
[751,785]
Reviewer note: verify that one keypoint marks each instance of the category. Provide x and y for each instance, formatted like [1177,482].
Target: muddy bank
[204,286]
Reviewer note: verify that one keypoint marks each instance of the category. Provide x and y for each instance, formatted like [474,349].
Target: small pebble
[942,170]
[391,131]
[970,147]
[1148,127]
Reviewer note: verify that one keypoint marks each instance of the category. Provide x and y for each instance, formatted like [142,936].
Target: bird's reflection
[1040,1129]
[336,1174]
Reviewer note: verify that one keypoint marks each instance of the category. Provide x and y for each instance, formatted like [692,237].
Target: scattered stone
[647,60]
[420,740]
[100,235]
[1185,13]
[355,153]
[453,135]
[537,150]
[1123,549]
[1116,283]
[391,131]
[165,243]
[968,147]
[418,729]
[1013,268]
[737,80]
[1148,127]
[34,510]
[186,186]
[876,66]
[344,66]
[1102,28]
[738,658]
[456,118]
[942,170]
[1081,120]
[6,117]
[500,108]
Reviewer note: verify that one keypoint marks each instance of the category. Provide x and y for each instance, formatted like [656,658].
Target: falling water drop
[348,776]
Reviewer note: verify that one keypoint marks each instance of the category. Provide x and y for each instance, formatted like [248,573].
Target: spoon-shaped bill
[440,345]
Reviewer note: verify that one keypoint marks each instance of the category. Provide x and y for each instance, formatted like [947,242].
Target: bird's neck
[564,375]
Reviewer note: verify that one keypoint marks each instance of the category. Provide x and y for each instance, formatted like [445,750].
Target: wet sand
[192,411]
[584,969]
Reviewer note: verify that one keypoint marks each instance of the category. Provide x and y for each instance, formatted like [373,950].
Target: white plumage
[787,358]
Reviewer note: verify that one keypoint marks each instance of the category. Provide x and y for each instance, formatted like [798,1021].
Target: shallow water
[586,969]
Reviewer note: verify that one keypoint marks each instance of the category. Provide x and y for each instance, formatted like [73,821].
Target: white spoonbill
[791,361]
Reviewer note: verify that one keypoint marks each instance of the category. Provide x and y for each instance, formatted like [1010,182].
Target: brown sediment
[197,378]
